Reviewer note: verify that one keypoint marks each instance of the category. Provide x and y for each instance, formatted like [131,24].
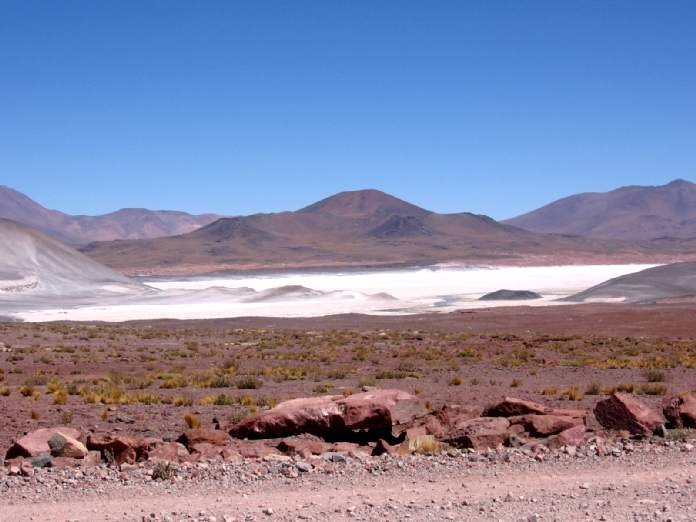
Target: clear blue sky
[494,107]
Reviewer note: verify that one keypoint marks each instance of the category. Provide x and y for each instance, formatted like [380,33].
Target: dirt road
[656,484]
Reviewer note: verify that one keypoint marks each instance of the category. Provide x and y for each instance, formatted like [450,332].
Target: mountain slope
[677,280]
[122,224]
[627,213]
[351,228]
[34,263]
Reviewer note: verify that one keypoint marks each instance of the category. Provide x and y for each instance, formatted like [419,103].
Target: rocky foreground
[375,455]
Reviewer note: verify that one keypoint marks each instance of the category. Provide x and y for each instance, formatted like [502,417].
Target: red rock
[231,455]
[209,436]
[36,442]
[680,410]
[574,436]
[576,414]
[65,446]
[168,452]
[545,425]
[92,460]
[303,446]
[380,409]
[253,449]
[333,416]
[483,432]
[452,414]
[512,407]
[121,449]
[622,411]
[205,450]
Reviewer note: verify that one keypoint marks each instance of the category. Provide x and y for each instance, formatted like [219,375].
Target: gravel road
[644,481]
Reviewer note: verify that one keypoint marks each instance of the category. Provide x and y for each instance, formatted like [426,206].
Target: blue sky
[493,107]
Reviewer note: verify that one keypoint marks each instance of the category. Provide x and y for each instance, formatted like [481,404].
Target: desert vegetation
[119,374]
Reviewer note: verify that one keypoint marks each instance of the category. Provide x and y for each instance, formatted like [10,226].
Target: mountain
[365,227]
[131,223]
[33,263]
[627,213]
[673,281]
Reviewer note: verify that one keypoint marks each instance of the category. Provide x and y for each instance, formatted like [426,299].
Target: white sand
[437,289]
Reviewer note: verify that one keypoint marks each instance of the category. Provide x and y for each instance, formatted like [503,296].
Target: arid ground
[145,376]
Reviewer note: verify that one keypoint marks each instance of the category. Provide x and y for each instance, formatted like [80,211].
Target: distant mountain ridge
[627,213]
[128,223]
[365,227]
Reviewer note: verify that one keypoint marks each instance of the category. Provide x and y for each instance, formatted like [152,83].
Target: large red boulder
[480,433]
[623,411]
[333,416]
[204,435]
[65,446]
[545,425]
[680,410]
[35,443]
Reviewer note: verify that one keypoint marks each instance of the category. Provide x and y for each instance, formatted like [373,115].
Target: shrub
[367,381]
[164,471]
[653,388]
[192,421]
[182,401]
[456,381]
[655,376]
[218,400]
[322,388]
[593,389]
[572,393]
[60,397]
[425,445]
[249,383]
[515,383]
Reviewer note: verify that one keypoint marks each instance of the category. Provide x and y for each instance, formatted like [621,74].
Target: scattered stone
[623,411]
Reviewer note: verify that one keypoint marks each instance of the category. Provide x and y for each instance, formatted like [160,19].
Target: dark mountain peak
[401,226]
[363,203]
